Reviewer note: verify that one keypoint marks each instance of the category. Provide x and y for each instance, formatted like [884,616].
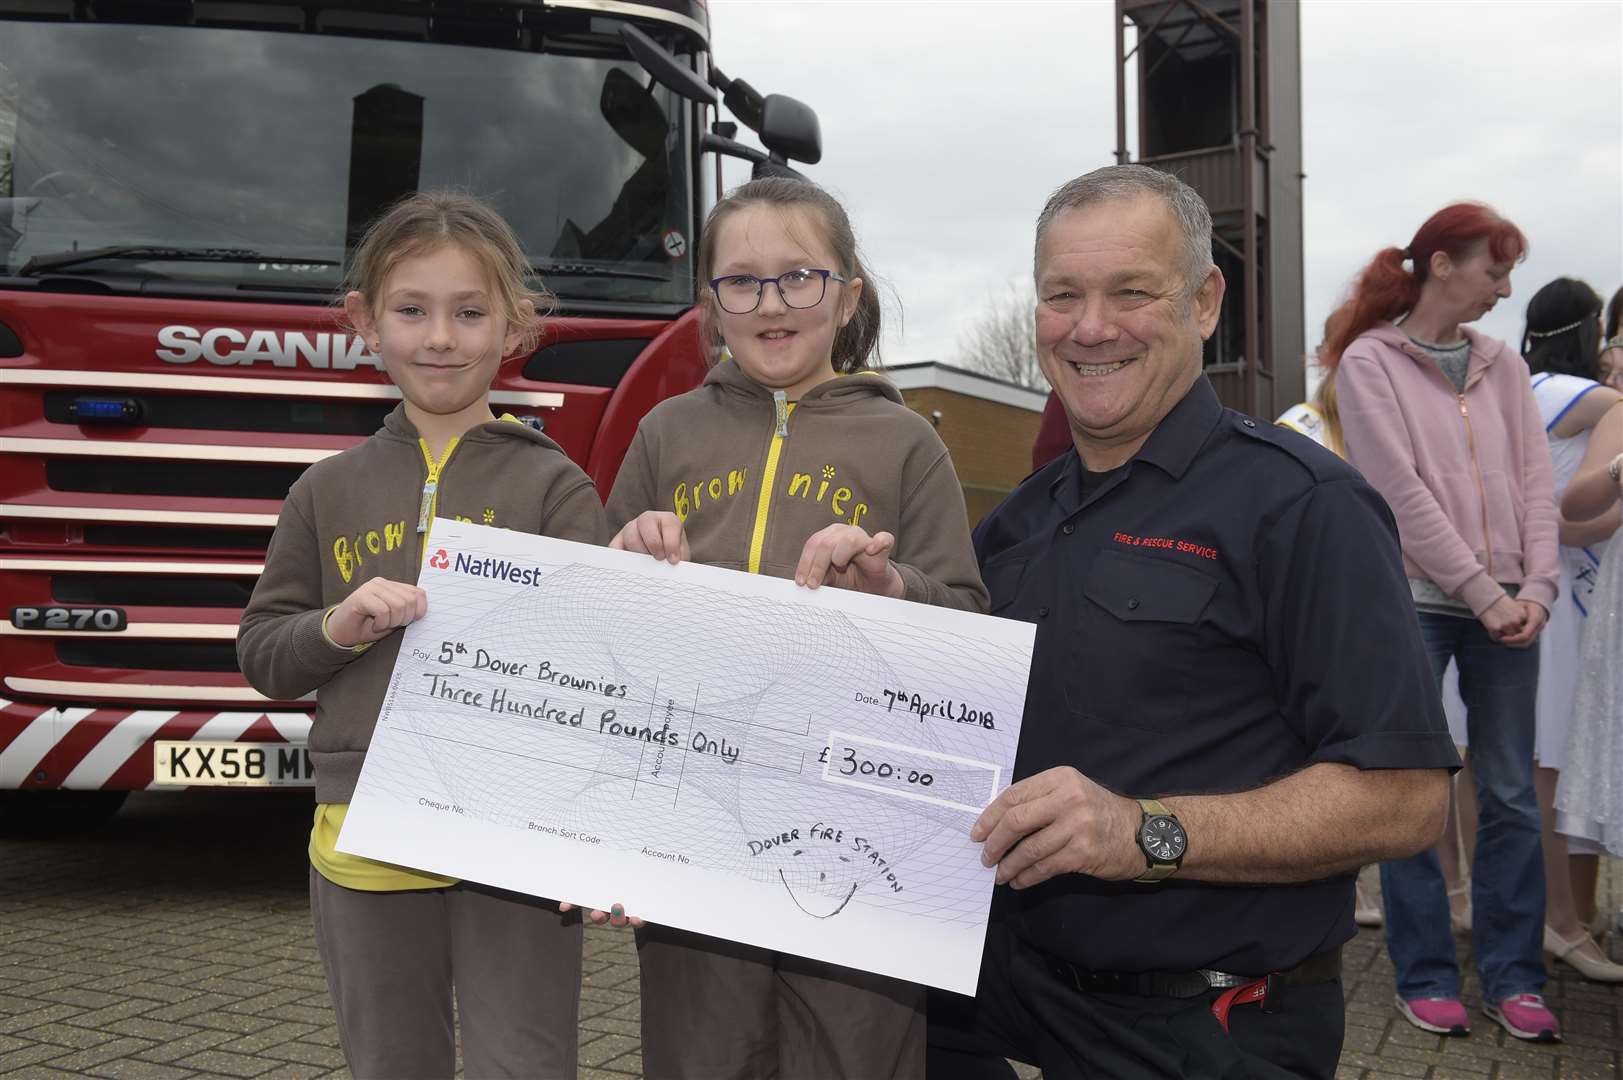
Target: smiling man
[1230,710]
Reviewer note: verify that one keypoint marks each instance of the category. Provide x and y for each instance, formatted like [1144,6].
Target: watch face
[1163,839]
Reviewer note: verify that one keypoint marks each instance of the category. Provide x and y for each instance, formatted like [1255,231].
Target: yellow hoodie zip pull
[431,485]
[429,488]
[780,408]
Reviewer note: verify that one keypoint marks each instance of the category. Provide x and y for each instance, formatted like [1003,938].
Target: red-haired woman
[1442,421]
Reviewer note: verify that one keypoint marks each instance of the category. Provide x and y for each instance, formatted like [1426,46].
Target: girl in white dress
[1562,348]
[1589,798]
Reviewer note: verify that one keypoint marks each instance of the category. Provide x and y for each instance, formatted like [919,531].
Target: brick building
[987,424]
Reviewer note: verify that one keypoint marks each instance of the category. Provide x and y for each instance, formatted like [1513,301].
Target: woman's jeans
[1499,685]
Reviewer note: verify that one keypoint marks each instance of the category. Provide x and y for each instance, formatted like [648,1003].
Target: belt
[1319,968]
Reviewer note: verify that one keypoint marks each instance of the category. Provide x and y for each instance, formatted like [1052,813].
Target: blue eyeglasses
[740,294]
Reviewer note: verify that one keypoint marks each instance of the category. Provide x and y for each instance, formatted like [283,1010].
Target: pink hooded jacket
[1467,475]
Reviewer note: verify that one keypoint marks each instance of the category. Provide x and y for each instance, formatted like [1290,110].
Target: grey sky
[946,125]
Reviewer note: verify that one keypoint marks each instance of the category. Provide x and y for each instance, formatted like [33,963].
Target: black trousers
[1023,1011]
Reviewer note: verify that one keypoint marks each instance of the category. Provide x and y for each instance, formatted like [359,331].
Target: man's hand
[615,917]
[374,611]
[1503,618]
[847,557]
[654,532]
[1535,617]
[1060,822]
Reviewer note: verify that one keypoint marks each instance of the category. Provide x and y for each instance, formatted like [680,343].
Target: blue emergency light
[100,410]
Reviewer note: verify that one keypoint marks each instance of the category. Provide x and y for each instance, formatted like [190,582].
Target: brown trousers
[718,1010]
[392,959]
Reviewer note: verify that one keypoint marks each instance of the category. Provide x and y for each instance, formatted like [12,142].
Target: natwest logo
[488,566]
[230,347]
[440,560]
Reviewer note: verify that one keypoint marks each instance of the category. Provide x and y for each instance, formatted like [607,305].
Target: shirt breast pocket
[1136,652]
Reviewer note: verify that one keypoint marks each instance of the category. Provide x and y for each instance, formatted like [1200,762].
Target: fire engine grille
[165,510]
[209,479]
[221,413]
[148,655]
[176,562]
[183,539]
[155,590]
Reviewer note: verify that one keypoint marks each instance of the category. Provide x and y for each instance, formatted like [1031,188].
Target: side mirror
[666,69]
[789,129]
[761,164]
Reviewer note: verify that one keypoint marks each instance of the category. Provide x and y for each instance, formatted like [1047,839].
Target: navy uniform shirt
[1227,609]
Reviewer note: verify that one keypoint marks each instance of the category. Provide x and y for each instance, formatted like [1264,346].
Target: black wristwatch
[1162,840]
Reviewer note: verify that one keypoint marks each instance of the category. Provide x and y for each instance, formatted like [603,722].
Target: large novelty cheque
[720,752]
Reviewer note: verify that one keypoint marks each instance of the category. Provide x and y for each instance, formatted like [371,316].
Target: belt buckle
[1222,980]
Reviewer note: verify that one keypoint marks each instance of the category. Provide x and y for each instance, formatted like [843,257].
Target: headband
[1559,329]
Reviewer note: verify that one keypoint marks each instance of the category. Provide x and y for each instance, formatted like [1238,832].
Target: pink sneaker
[1526,1017]
[1443,1016]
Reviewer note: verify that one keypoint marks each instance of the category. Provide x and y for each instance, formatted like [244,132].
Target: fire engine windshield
[169,158]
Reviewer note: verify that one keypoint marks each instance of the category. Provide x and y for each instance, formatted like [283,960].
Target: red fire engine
[180,182]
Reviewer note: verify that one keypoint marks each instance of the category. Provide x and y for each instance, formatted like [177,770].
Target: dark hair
[1386,290]
[1563,330]
[1614,314]
[857,342]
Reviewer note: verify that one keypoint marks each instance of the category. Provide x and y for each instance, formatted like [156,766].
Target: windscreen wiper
[59,260]
[565,269]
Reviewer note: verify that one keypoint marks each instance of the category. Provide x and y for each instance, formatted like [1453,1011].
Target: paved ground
[176,943]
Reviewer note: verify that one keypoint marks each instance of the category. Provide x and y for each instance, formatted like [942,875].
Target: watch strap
[1155,871]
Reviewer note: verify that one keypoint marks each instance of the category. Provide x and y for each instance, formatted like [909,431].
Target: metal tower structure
[1219,104]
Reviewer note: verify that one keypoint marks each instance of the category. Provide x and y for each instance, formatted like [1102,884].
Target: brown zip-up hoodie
[752,479]
[355,516]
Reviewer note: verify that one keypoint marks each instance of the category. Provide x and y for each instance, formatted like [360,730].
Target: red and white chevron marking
[47,747]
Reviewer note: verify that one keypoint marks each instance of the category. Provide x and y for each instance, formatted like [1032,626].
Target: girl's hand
[654,532]
[1505,617]
[374,611]
[1536,617]
[616,916]
[847,557]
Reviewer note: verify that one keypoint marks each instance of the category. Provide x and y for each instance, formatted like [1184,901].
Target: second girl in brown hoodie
[791,460]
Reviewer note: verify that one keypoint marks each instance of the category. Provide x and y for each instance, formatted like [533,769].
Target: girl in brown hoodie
[439,293]
[795,460]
